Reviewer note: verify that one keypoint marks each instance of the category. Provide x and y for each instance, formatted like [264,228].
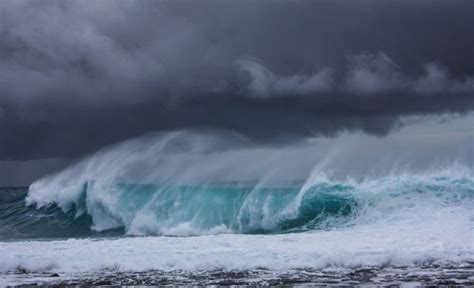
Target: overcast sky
[78,75]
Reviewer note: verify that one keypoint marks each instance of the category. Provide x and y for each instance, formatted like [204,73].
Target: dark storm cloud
[77,75]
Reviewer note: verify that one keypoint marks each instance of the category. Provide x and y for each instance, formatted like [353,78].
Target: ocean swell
[184,210]
[188,183]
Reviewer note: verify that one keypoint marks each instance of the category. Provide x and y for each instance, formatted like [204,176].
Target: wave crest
[185,183]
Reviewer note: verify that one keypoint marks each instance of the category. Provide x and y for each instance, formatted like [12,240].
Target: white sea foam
[444,237]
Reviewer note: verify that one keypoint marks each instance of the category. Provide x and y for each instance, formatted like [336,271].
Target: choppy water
[398,276]
[205,216]
[185,210]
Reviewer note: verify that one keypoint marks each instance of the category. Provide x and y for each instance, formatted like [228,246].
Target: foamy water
[238,207]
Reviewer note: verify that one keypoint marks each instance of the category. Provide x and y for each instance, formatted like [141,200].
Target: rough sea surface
[394,276]
[189,209]
[416,230]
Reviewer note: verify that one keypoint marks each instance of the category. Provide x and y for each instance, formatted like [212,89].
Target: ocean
[418,227]
[150,213]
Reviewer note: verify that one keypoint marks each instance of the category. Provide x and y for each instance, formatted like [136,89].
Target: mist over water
[405,200]
[186,183]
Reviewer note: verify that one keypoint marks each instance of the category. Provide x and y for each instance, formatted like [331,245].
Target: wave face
[187,183]
[184,210]
[19,221]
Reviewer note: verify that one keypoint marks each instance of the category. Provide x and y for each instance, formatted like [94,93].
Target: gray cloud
[365,74]
[77,75]
[437,80]
[264,83]
[373,73]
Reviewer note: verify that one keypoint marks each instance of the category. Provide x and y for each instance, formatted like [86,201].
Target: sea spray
[192,183]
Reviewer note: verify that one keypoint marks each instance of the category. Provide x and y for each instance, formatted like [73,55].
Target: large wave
[193,183]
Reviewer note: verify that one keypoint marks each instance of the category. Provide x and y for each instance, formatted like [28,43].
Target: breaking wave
[139,209]
[190,183]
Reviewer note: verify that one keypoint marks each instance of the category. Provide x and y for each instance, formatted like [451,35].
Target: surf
[188,183]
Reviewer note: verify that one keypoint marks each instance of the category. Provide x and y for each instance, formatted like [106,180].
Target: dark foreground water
[394,276]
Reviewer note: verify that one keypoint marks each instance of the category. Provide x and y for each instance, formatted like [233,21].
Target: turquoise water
[185,210]
[241,209]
